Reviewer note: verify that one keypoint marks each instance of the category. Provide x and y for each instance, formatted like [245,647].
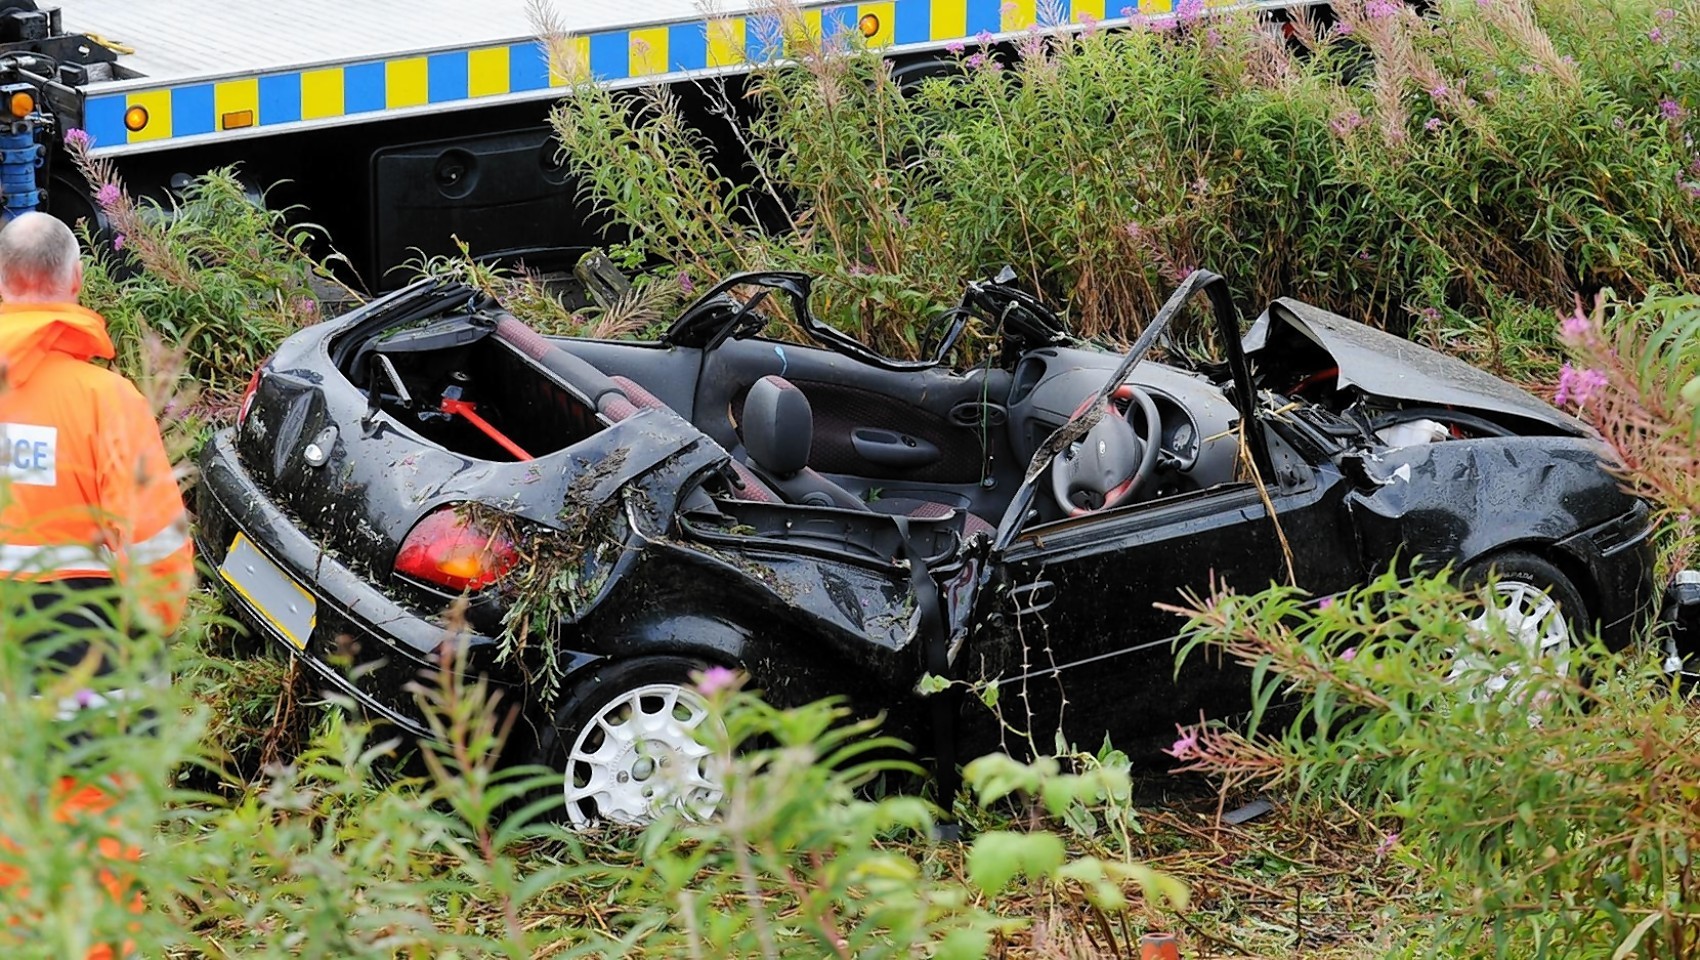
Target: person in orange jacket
[87,494]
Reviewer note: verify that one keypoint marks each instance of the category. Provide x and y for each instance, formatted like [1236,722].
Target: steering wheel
[1112,461]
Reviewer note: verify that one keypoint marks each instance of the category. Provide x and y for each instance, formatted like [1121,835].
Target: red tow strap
[469,410]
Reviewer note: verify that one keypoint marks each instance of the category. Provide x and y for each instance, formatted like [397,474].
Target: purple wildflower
[955,47]
[85,698]
[78,138]
[1348,123]
[1381,9]
[1185,746]
[118,241]
[1656,35]
[1090,23]
[1666,15]
[108,195]
[984,37]
[1578,386]
[1430,314]
[1671,110]
[1325,603]
[1432,124]
[1213,37]
[1385,847]
[1439,91]
[1577,326]
[307,306]
[1130,12]
[1342,28]
[976,61]
[687,286]
[1348,655]
[716,679]
[1134,229]
[1190,10]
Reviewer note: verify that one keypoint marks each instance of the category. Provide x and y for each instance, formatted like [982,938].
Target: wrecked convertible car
[836,522]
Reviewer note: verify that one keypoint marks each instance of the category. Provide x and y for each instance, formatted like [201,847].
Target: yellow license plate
[271,593]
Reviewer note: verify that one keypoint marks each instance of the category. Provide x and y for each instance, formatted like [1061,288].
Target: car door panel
[1075,637]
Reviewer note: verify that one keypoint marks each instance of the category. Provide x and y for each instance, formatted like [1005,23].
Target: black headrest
[779,427]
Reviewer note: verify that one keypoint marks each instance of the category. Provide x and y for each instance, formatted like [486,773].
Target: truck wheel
[627,743]
[1537,604]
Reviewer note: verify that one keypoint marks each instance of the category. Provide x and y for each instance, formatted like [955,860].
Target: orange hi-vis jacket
[86,488]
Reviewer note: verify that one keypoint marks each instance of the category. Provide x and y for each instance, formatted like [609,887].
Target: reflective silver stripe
[64,558]
[161,545]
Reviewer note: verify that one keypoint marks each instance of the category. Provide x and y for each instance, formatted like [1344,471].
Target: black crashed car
[836,522]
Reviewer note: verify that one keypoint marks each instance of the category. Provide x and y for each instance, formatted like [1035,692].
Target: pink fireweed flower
[955,47]
[1432,124]
[1578,386]
[1385,847]
[1346,124]
[716,679]
[1342,28]
[108,195]
[1185,746]
[984,37]
[307,306]
[1439,91]
[1324,603]
[1089,22]
[1656,35]
[1381,9]
[1577,326]
[1666,15]
[1349,654]
[687,286]
[1671,110]
[78,138]
[118,242]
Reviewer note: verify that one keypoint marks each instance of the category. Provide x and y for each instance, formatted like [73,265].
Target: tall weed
[1465,172]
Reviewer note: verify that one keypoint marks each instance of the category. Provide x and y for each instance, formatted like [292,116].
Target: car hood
[1384,365]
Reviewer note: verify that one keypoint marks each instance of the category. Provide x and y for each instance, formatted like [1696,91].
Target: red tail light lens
[453,551]
[248,395]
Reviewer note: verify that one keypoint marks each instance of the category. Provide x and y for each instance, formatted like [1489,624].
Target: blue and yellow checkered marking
[465,76]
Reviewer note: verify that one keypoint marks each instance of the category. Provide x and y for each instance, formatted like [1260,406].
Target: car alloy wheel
[639,754]
[1532,601]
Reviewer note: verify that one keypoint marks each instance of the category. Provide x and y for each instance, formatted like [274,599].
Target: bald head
[39,261]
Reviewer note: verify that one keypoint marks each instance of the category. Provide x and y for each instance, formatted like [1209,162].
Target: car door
[1073,633]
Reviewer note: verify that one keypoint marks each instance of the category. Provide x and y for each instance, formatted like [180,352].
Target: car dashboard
[1198,449]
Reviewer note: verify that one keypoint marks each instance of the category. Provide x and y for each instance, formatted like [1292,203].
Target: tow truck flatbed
[184,41]
[230,69]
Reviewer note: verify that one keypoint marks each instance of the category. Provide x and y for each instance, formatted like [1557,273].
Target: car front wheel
[632,740]
[1535,603]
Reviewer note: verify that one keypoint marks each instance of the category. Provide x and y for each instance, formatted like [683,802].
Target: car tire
[623,740]
[1524,582]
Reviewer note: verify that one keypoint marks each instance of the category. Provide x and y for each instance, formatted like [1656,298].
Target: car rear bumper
[366,643]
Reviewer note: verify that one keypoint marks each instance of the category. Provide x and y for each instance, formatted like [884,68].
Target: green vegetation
[1463,178]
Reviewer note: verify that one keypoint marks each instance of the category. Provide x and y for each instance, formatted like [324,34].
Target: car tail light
[248,395]
[454,551]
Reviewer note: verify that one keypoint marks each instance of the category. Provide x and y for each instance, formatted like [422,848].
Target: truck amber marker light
[869,26]
[135,119]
